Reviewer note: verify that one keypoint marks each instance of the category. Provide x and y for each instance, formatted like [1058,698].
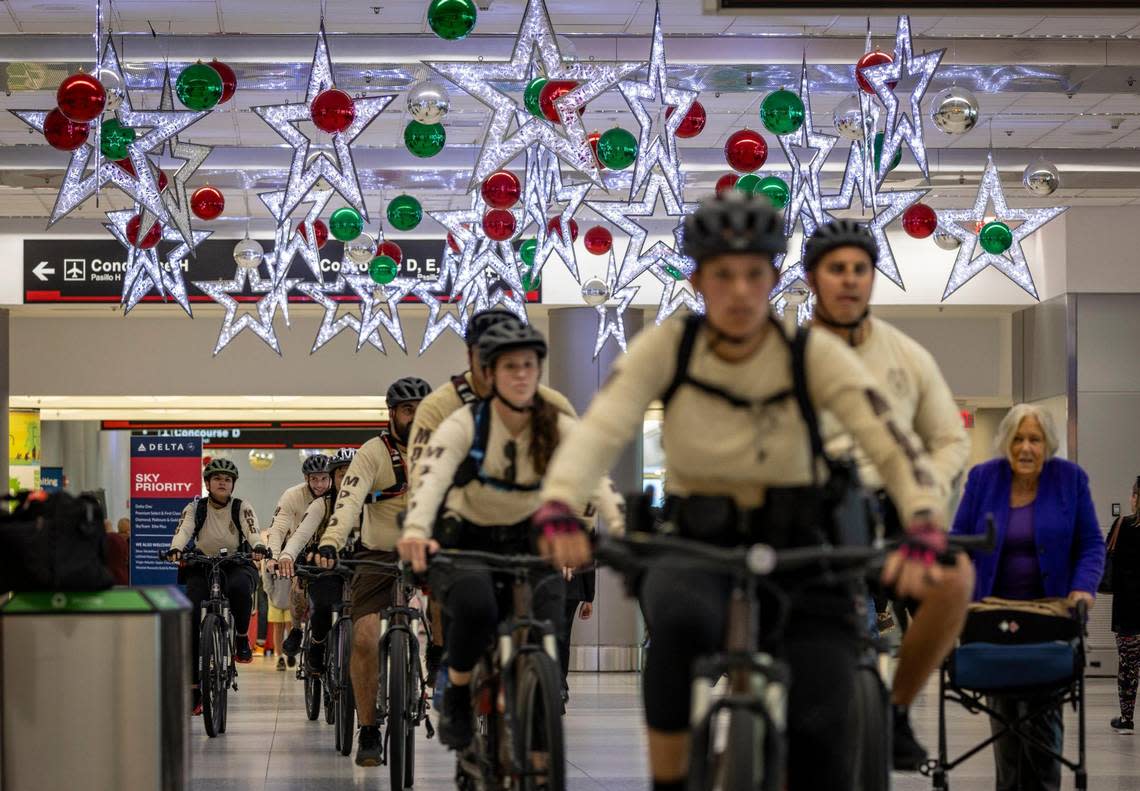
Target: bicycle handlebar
[306,571]
[193,557]
[454,557]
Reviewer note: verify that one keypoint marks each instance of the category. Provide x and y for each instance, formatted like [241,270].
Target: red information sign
[166,474]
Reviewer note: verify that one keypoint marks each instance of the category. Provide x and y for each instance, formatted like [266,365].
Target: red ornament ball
[333,111]
[229,79]
[919,221]
[599,240]
[81,98]
[148,241]
[551,92]
[554,225]
[499,225]
[593,139]
[874,58]
[207,203]
[726,183]
[320,230]
[392,250]
[501,189]
[746,151]
[64,134]
[454,245]
[693,122]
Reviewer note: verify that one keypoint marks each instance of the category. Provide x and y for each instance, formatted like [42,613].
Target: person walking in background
[1048,544]
[117,551]
[1123,581]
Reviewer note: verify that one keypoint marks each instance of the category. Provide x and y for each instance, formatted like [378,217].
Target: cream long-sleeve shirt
[714,448]
[371,471]
[219,530]
[908,376]
[288,515]
[476,502]
[318,513]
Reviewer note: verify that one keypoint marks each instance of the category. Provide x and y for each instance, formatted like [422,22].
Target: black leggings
[687,616]
[323,593]
[238,584]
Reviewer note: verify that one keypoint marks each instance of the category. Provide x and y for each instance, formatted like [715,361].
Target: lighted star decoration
[147,271]
[543,189]
[142,186]
[901,125]
[440,320]
[305,170]
[793,272]
[332,325]
[611,320]
[962,224]
[535,54]
[890,206]
[288,241]
[261,324]
[807,150]
[176,196]
[374,298]
[649,100]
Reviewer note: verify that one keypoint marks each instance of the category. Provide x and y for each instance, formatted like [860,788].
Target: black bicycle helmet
[479,322]
[315,464]
[410,388]
[835,234]
[342,458]
[506,336]
[735,222]
[220,467]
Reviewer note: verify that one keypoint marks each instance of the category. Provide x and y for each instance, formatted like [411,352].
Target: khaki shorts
[372,589]
[276,615]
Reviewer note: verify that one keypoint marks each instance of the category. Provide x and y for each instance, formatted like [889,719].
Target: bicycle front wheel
[398,725]
[538,737]
[212,675]
[872,716]
[345,703]
[328,678]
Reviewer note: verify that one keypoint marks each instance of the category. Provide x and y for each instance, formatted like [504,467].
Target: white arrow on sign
[42,271]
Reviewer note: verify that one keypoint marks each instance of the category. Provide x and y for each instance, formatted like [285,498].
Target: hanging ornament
[428,102]
[874,58]
[954,110]
[746,151]
[527,250]
[726,182]
[774,189]
[1041,178]
[946,240]
[361,250]
[115,139]
[452,20]
[81,98]
[599,240]
[499,225]
[392,250]
[782,112]
[554,226]
[346,224]
[64,134]
[693,122]
[919,221]
[248,253]
[207,203]
[878,149]
[332,111]
[404,212]
[113,88]
[229,79]
[199,87]
[148,241]
[530,281]
[617,148]
[593,139]
[451,243]
[501,189]
[850,120]
[996,237]
[383,270]
[532,96]
[595,292]
[320,231]
[748,183]
[424,140]
[552,91]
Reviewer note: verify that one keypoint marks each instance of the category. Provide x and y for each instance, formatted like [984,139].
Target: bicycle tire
[539,723]
[312,696]
[345,704]
[414,683]
[871,720]
[211,674]
[740,770]
[398,724]
[329,683]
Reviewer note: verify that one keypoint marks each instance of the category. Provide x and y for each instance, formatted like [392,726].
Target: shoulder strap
[200,506]
[400,487]
[466,394]
[684,354]
[800,390]
[472,466]
[235,515]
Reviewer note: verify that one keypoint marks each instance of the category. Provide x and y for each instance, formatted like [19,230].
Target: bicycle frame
[400,618]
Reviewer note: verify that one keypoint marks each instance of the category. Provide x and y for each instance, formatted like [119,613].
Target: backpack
[202,503]
[471,468]
[466,394]
[53,542]
[400,487]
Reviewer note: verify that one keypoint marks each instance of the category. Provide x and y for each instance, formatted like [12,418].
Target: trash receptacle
[94,691]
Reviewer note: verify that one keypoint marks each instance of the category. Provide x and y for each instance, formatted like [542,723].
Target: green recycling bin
[94,690]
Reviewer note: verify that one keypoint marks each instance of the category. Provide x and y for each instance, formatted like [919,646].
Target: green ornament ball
[115,139]
[996,237]
[774,189]
[383,269]
[674,272]
[199,87]
[530,280]
[346,224]
[424,140]
[617,148]
[782,112]
[405,212]
[452,19]
[878,149]
[747,183]
[531,96]
[527,250]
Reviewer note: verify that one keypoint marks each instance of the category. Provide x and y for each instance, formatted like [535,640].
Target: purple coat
[1070,547]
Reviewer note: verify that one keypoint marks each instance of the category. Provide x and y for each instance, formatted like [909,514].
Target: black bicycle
[516,689]
[333,680]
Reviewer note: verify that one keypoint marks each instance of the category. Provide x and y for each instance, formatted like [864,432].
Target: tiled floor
[270,746]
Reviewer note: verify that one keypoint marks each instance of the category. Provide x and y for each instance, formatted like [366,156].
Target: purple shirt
[1018,574]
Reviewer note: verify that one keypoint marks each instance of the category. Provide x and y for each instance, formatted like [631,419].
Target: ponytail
[544,434]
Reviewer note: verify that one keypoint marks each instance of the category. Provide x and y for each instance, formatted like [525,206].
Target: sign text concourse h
[166,474]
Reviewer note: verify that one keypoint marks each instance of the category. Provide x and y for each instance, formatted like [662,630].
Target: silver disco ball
[955,111]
